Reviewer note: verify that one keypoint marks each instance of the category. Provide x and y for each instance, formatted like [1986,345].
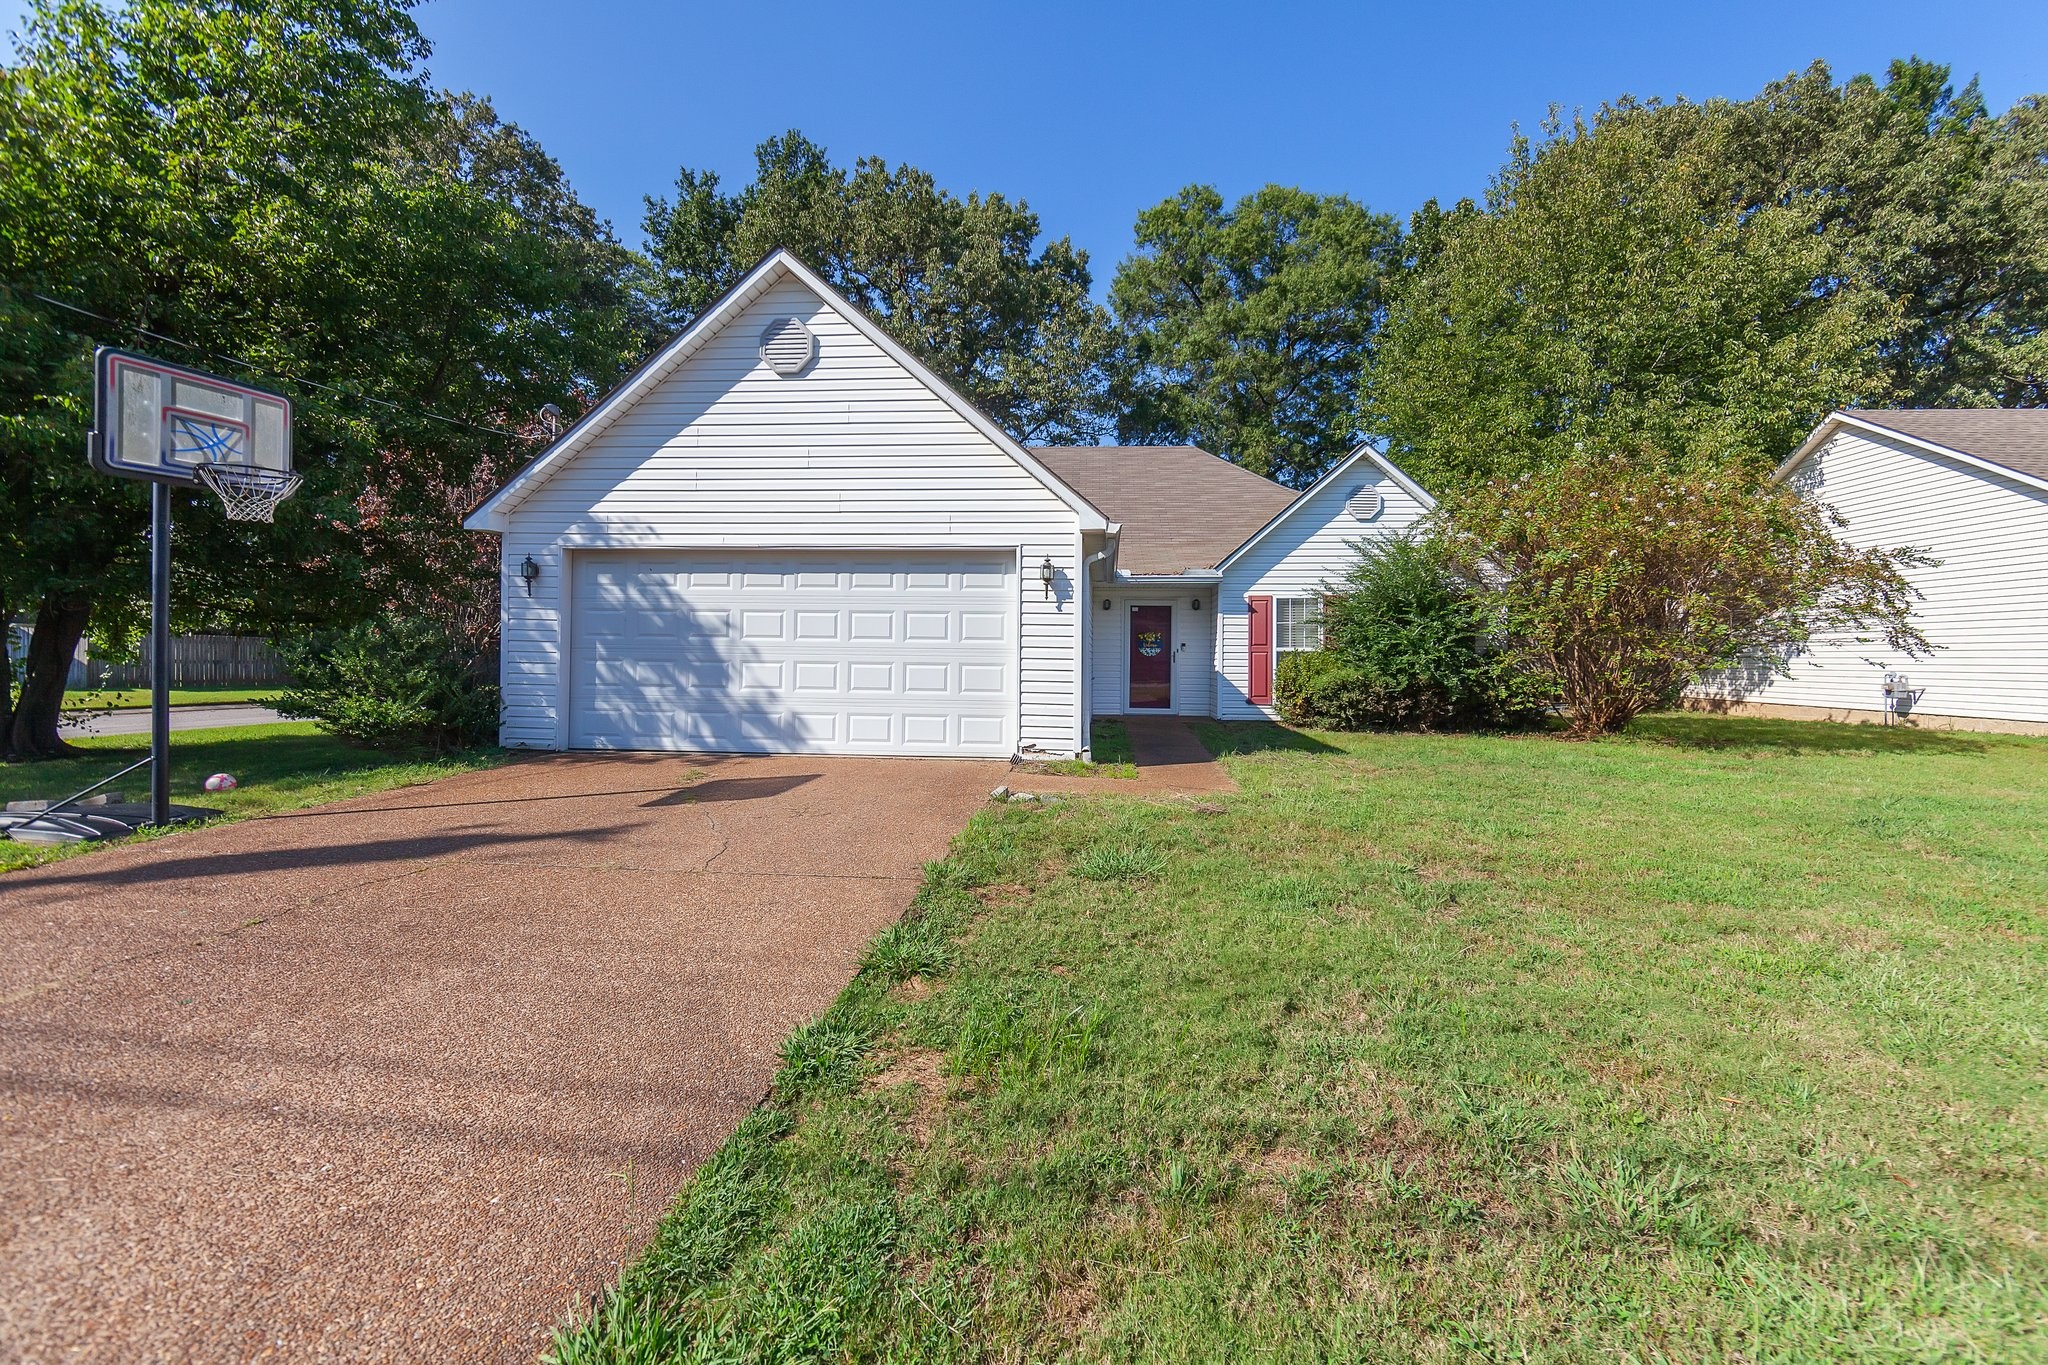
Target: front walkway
[405,1078]
[1169,759]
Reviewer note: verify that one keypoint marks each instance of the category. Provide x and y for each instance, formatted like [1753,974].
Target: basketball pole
[159,652]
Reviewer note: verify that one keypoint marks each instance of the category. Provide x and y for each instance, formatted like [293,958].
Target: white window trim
[1307,607]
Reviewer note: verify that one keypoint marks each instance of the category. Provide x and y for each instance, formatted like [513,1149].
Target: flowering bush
[1620,580]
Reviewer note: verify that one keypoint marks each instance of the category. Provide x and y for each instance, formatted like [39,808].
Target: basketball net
[248,493]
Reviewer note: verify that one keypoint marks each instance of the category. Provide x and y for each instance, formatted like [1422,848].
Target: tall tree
[272,191]
[1611,290]
[1929,199]
[1711,279]
[1247,328]
[963,283]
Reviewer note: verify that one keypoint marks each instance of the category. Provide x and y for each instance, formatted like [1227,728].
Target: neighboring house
[785,534]
[1968,487]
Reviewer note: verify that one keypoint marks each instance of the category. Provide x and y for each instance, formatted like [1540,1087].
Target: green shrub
[395,682]
[1406,645]
[1316,689]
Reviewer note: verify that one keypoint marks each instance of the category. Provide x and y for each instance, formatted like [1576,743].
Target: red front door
[1151,669]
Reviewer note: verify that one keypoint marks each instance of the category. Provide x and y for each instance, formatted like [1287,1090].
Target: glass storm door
[1151,667]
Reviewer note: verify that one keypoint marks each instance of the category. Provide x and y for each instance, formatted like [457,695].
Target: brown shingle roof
[1181,507]
[2014,437]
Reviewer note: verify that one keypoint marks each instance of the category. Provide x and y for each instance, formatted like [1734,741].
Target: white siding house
[842,558]
[785,534]
[1968,487]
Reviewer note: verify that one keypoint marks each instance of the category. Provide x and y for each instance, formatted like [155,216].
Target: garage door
[784,653]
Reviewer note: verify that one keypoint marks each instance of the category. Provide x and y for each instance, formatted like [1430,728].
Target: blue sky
[1094,111]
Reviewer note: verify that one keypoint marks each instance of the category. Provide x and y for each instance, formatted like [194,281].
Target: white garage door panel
[852,652]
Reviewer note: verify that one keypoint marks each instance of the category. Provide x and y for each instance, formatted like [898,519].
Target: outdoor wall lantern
[528,572]
[1105,604]
[1045,576]
[1195,605]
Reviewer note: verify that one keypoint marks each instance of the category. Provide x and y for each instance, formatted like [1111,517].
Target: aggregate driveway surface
[404,1078]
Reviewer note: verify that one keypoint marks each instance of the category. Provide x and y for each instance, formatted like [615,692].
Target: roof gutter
[1190,576]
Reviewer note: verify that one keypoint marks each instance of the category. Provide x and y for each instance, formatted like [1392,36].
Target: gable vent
[787,346]
[1364,504]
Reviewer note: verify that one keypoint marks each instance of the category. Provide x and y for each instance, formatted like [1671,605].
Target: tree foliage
[1618,579]
[963,283]
[1711,279]
[1932,201]
[1246,329]
[271,191]
[1609,291]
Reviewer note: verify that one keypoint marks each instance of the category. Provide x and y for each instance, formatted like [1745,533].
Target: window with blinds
[1295,625]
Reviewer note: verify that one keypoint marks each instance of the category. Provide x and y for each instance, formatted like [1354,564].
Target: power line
[252,368]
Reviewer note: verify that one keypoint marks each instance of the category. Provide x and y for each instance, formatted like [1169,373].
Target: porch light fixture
[1045,575]
[1105,604]
[528,572]
[1195,605]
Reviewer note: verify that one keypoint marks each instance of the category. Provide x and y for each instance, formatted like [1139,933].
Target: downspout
[1085,593]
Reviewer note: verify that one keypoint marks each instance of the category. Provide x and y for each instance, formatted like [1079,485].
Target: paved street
[135,721]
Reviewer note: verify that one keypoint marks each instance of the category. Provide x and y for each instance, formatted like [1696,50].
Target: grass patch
[1110,742]
[278,767]
[136,698]
[1110,745]
[1721,1040]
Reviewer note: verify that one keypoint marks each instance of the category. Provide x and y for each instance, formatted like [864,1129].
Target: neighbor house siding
[1314,546]
[854,453]
[1194,679]
[1984,605]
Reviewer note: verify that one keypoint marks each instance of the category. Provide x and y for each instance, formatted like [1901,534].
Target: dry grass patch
[924,1071]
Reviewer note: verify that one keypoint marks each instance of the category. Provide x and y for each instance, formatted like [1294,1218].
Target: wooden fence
[196,661]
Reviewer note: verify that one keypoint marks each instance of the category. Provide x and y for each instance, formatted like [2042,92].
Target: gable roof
[1180,507]
[2011,441]
[1363,453]
[776,266]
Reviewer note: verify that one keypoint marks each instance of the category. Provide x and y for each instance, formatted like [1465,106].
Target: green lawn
[135,698]
[1725,1040]
[278,767]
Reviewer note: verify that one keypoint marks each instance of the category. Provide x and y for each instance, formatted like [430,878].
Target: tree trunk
[60,621]
[6,676]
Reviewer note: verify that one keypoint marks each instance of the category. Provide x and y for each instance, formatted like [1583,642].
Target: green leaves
[396,682]
[1407,642]
[1713,279]
[276,192]
[1610,289]
[1246,329]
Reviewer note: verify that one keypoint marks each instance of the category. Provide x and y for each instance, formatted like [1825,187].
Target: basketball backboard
[163,422]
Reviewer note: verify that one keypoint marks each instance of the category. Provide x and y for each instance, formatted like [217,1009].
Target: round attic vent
[787,346]
[1364,503]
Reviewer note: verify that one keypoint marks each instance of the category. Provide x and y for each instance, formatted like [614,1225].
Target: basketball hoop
[175,427]
[247,492]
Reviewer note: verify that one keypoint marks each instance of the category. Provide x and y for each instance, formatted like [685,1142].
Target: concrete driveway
[405,1078]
